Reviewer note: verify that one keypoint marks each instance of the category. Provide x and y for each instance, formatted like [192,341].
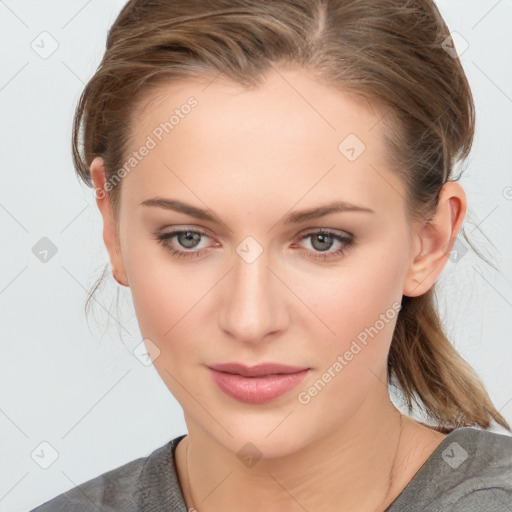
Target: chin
[260,437]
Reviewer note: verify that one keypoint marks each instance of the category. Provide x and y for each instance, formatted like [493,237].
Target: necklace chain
[194,509]
[392,466]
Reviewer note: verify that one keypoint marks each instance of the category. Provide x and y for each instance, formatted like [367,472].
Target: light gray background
[77,385]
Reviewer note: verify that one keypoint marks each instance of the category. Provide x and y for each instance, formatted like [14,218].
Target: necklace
[392,467]
[194,509]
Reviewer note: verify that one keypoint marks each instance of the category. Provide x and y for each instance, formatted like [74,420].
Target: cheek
[361,308]
[161,294]
[167,308]
[358,308]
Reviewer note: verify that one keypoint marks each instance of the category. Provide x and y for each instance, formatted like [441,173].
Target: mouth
[256,384]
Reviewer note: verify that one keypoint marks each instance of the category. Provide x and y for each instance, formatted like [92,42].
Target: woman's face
[261,283]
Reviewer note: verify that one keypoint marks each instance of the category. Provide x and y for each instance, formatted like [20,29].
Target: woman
[276,185]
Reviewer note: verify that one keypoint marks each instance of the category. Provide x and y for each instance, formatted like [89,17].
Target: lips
[258,370]
[256,384]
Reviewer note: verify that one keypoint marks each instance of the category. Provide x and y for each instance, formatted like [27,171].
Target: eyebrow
[292,218]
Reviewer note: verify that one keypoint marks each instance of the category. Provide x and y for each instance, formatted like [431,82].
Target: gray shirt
[470,471]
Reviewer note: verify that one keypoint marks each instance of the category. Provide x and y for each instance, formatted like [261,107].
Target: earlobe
[435,240]
[110,235]
[114,273]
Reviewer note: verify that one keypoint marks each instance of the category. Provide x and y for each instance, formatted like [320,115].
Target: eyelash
[163,239]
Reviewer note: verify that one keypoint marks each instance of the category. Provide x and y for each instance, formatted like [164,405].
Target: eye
[322,240]
[186,238]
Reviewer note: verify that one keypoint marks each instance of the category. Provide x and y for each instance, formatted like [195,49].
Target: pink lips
[256,384]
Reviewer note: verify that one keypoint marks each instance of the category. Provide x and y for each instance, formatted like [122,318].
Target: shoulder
[480,466]
[115,489]
[471,470]
[126,488]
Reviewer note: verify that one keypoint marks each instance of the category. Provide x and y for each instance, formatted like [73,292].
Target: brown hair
[392,54]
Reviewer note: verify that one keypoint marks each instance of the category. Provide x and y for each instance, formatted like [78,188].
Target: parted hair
[392,54]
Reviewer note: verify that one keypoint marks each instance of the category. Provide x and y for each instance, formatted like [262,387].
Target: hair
[388,53]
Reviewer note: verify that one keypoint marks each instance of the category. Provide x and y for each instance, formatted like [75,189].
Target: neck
[355,467]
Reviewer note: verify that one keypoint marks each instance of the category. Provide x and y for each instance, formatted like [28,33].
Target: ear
[434,240]
[110,236]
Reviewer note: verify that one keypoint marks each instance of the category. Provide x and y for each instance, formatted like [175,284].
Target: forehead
[290,102]
[292,134]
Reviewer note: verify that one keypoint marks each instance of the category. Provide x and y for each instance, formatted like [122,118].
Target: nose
[253,303]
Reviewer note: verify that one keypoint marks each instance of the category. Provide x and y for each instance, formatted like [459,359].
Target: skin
[251,157]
